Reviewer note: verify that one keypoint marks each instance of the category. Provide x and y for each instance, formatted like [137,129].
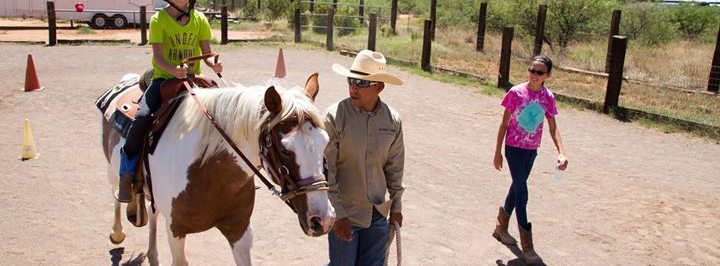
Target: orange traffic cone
[280,67]
[28,148]
[31,79]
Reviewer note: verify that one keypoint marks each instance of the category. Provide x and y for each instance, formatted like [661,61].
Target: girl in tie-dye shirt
[527,105]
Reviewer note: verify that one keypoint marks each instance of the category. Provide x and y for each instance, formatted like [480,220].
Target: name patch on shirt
[387,131]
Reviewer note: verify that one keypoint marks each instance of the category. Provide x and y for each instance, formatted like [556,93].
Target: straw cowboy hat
[368,65]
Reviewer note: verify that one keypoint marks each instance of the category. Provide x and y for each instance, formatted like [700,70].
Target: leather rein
[303,186]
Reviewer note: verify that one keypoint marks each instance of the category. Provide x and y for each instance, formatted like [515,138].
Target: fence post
[614,30]
[714,80]
[259,4]
[334,5]
[504,76]
[540,29]
[329,29]
[312,6]
[393,15]
[298,27]
[372,32]
[614,83]
[52,26]
[427,46]
[143,25]
[361,12]
[433,18]
[223,25]
[480,45]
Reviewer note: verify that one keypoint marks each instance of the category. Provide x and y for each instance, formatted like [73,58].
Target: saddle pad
[106,99]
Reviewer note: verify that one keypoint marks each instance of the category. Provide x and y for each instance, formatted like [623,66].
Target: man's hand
[343,229]
[395,217]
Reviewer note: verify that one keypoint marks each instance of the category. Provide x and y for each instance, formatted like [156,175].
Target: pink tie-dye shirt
[528,111]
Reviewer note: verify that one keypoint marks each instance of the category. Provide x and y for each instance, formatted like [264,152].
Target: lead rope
[394,232]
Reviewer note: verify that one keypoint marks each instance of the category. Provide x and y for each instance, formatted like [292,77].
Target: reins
[232,144]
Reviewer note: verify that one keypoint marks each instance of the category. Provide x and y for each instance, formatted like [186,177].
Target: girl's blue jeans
[520,161]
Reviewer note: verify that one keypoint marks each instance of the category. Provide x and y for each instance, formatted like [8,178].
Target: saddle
[172,92]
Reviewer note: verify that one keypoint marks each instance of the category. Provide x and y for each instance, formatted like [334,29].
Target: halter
[271,159]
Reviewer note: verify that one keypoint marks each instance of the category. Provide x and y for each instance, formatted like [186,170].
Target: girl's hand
[180,72]
[562,162]
[217,67]
[498,161]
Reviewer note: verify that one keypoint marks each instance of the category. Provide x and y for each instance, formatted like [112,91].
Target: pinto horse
[198,182]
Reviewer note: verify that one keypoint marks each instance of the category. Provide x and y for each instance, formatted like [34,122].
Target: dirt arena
[631,195]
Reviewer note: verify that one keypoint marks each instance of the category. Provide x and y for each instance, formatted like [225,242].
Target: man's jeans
[367,246]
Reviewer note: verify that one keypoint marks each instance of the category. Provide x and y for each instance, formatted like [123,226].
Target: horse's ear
[273,102]
[312,86]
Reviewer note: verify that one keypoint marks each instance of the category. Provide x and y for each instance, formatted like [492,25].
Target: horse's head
[292,144]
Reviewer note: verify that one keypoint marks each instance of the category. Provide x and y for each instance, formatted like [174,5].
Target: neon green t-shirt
[178,41]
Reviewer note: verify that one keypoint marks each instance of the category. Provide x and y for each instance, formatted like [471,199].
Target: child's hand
[217,67]
[180,72]
[498,161]
[562,162]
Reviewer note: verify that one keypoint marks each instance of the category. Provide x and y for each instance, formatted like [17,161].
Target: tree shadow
[116,256]
[516,261]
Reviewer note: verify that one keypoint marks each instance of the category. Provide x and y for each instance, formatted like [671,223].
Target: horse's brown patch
[218,194]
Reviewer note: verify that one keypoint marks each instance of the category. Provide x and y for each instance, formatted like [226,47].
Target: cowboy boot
[528,250]
[501,228]
[127,176]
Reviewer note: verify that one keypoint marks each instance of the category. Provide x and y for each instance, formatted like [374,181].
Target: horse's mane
[239,111]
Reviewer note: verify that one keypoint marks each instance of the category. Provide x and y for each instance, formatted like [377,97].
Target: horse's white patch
[168,167]
[308,143]
[241,248]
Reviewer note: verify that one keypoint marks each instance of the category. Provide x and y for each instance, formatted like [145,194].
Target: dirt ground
[631,195]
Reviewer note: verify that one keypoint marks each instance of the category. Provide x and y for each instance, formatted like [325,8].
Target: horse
[198,183]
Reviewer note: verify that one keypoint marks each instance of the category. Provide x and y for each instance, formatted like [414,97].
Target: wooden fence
[617,46]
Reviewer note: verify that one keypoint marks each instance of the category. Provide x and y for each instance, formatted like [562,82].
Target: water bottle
[558,173]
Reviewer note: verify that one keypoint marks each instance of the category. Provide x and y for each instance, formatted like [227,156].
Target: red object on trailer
[79,7]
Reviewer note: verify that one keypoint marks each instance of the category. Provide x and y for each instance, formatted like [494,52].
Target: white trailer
[97,13]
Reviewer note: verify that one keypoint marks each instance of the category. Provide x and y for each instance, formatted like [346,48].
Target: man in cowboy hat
[365,159]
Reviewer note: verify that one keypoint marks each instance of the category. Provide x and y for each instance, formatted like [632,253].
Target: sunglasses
[536,72]
[361,83]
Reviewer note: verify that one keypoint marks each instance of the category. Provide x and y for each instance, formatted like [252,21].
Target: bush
[693,20]
[341,19]
[648,24]
[275,9]
[572,20]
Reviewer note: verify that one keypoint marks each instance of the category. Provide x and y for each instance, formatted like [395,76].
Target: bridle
[269,154]
[272,155]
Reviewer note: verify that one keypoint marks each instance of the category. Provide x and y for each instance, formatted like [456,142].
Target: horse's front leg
[152,253]
[177,247]
[241,248]
[117,236]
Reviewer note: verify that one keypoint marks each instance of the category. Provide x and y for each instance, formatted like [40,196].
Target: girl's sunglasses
[361,83]
[536,72]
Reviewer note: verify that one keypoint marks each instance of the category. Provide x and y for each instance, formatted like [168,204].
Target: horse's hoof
[120,238]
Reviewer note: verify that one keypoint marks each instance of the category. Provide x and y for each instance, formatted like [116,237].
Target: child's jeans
[520,161]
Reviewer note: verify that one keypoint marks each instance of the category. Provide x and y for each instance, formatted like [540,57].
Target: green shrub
[693,20]
[573,20]
[647,23]
[275,9]
[342,19]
